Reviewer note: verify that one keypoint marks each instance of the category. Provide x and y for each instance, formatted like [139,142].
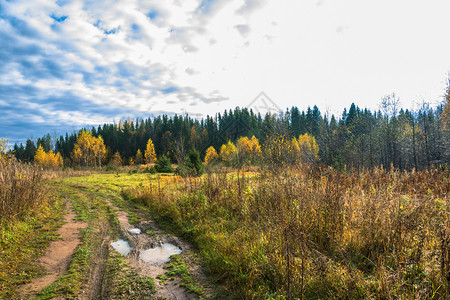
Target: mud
[140,243]
[58,256]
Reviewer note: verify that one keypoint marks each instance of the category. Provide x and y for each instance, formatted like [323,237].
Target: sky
[67,64]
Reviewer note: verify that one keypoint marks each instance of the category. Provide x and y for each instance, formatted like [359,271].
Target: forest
[359,138]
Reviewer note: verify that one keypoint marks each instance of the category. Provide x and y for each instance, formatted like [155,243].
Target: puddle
[134,231]
[159,255]
[121,246]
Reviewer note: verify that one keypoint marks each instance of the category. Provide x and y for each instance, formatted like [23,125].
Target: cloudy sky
[66,64]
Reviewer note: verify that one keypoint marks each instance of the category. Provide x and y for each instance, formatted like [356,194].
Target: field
[304,232]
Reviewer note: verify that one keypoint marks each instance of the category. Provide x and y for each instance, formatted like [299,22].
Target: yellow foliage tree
[309,150]
[116,160]
[150,154]
[244,145]
[211,155]
[59,159]
[40,157]
[244,150]
[98,150]
[228,152]
[48,160]
[139,158]
[295,151]
[89,150]
[278,151]
[256,148]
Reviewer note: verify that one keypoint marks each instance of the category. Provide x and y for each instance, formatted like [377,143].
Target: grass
[22,191]
[178,267]
[23,242]
[304,232]
[122,282]
[316,233]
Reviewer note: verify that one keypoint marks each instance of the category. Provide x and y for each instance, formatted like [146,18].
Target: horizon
[70,64]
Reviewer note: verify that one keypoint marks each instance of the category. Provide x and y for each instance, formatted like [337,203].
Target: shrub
[192,165]
[163,165]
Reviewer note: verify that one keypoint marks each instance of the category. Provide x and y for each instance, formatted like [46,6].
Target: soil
[58,256]
[143,241]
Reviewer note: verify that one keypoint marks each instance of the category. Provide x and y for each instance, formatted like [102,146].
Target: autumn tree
[138,159]
[88,150]
[256,152]
[211,155]
[116,160]
[40,157]
[150,154]
[445,122]
[228,152]
[278,151]
[48,160]
[244,150]
[98,150]
[3,148]
[309,150]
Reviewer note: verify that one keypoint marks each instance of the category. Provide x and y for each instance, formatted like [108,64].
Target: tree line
[358,138]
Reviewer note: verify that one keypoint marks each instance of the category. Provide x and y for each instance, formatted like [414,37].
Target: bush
[192,165]
[151,170]
[163,165]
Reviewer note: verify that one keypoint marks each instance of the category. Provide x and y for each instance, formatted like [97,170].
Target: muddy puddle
[159,255]
[121,246]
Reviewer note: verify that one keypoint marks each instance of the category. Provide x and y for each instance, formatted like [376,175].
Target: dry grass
[21,189]
[312,232]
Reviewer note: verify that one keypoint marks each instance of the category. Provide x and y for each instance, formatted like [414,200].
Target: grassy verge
[23,242]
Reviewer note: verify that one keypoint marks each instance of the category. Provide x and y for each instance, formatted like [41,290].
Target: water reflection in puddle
[134,231]
[121,246]
[159,255]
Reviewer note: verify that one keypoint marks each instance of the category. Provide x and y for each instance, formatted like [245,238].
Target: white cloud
[221,54]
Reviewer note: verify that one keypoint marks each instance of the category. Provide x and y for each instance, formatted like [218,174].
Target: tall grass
[315,233]
[21,189]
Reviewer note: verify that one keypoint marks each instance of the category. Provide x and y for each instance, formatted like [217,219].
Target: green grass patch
[23,242]
[123,282]
[178,267]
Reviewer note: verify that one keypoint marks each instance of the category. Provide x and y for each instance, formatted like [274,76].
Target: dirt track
[58,255]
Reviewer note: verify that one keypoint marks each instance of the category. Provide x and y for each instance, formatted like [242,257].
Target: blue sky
[66,64]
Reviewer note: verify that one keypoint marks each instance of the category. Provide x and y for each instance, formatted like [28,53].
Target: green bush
[151,170]
[192,165]
[163,165]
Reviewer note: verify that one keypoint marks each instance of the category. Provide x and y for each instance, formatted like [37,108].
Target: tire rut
[98,267]
[58,256]
[140,242]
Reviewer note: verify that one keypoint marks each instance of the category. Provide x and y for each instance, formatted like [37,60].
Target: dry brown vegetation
[21,189]
[311,232]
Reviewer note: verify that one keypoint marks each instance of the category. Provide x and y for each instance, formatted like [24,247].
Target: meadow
[315,233]
[303,232]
